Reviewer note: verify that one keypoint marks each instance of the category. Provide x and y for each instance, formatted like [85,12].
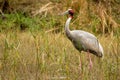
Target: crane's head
[69,11]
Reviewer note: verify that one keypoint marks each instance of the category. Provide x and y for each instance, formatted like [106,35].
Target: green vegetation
[33,45]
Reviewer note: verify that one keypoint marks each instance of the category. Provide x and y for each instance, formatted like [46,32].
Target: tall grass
[40,56]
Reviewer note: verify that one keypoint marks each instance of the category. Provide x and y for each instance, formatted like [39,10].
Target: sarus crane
[82,40]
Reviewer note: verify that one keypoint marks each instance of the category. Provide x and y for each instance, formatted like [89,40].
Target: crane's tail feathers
[101,51]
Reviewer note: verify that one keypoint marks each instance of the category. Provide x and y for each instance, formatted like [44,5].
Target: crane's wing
[88,41]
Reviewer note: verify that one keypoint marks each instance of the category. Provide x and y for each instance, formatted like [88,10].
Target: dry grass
[41,56]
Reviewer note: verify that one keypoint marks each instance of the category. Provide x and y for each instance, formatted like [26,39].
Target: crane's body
[82,40]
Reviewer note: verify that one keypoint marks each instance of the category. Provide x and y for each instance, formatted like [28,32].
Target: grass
[40,56]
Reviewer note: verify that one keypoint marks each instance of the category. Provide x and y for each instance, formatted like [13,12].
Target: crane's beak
[64,13]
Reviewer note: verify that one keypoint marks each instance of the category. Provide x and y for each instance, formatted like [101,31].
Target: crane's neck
[67,30]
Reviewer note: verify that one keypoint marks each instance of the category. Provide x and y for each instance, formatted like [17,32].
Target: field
[52,56]
[36,48]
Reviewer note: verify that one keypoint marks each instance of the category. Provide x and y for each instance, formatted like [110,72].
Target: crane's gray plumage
[82,40]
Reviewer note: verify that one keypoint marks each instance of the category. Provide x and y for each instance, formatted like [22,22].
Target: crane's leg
[90,61]
[80,63]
